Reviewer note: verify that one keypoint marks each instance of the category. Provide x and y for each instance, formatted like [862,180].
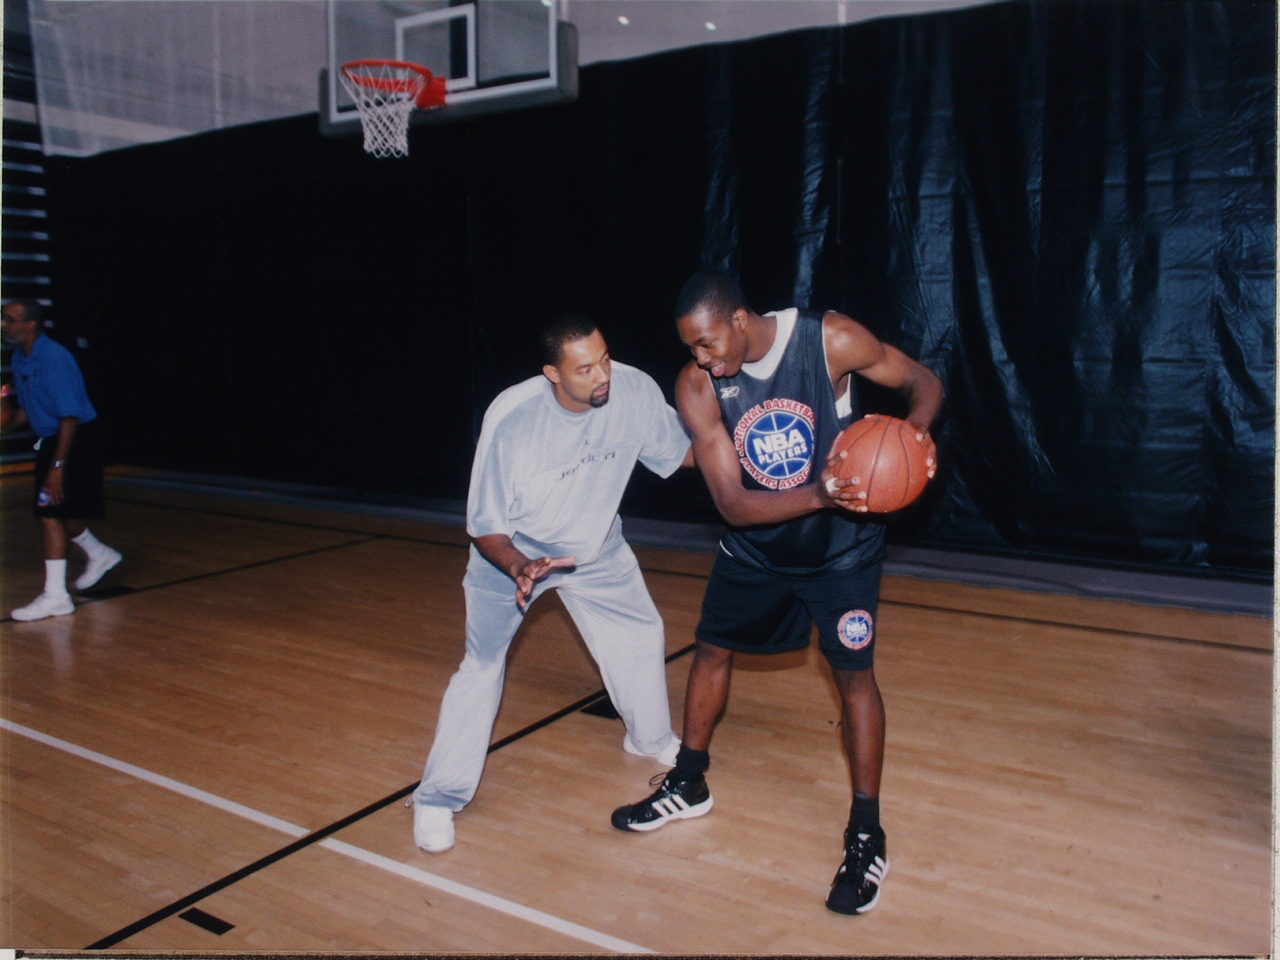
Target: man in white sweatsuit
[554,457]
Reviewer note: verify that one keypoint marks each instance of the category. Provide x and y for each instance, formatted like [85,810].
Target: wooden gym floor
[211,756]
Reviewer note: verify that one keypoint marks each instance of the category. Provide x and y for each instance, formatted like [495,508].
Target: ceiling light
[710,25]
[624,21]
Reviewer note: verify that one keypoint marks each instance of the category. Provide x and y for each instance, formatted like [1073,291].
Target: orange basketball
[890,462]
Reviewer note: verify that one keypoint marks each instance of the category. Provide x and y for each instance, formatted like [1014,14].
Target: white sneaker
[98,567]
[666,756]
[432,828]
[45,605]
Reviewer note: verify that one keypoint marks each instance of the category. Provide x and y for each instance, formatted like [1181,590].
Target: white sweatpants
[611,606]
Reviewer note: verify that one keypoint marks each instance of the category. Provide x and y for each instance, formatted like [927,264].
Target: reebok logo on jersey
[774,440]
[728,393]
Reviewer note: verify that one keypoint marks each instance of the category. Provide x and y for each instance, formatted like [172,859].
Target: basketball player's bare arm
[852,348]
[498,549]
[718,460]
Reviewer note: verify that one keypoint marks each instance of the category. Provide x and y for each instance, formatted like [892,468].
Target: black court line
[181,904]
[1002,617]
[365,537]
[320,834]
[337,528]
[279,521]
[206,921]
[340,528]
[583,704]
[1058,624]
[113,593]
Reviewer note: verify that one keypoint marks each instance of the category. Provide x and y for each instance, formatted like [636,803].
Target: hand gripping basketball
[887,459]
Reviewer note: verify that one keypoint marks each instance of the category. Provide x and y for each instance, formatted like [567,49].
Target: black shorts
[82,490]
[753,611]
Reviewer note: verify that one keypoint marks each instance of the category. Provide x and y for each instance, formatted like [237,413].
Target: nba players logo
[855,629]
[775,443]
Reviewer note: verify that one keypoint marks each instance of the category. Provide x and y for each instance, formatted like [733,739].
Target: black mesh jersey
[783,427]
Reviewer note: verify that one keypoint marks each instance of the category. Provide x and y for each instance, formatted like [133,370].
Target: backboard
[495,54]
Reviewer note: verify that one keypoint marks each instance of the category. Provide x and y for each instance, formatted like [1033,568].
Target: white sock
[88,543]
[55,577]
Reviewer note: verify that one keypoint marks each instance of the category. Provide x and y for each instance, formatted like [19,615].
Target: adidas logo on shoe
[856,887]
[673,800]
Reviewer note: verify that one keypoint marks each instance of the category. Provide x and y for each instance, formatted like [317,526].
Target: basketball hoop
[386,92]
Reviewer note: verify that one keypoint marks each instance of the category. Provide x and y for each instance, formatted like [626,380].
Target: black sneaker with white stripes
[856,887]
[673,800]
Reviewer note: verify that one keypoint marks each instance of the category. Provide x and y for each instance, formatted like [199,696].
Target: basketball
[885,455]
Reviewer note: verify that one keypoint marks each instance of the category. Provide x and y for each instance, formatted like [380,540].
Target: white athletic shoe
[45,605]
[98,567]
[666,756]
[432,828]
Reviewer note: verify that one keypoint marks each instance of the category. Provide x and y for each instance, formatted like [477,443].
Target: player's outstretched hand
[535,570]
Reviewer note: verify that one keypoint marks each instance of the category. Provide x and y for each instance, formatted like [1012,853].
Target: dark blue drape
[1064,207]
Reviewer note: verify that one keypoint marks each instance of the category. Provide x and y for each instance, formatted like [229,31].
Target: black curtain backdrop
[1065,208]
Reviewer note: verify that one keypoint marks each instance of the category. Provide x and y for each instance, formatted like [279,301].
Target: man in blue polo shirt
[68,478]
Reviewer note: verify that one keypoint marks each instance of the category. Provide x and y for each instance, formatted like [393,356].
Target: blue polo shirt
[50,386]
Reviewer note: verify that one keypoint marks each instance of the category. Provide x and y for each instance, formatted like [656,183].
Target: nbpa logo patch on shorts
[855,629]
[775,443]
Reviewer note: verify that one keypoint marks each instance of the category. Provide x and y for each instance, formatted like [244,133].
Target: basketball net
[385,93]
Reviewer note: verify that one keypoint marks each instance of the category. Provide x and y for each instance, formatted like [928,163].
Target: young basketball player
[765,398]
[554,457]
[51,398]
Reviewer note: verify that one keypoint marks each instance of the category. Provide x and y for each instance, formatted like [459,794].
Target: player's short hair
[32,309]
[712,289]
[564,329]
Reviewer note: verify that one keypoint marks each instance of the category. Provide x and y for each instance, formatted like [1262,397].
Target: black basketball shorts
[83,496]
[754,611]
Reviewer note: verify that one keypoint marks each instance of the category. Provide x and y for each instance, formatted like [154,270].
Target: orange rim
[430,88]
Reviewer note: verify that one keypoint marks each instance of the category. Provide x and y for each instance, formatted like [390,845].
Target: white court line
[213,800]
[557,924]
